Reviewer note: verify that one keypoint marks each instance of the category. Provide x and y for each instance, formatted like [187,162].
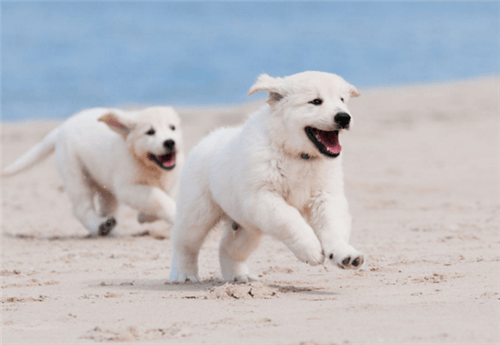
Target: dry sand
[422,177]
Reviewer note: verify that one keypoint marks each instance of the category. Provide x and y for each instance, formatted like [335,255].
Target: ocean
[61,57]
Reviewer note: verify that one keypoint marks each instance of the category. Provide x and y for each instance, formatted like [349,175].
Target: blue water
[58,58]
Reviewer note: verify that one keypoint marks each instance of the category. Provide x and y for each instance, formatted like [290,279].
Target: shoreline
[255,102]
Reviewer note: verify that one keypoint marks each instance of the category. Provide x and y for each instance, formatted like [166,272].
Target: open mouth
[166,161]
[327,142]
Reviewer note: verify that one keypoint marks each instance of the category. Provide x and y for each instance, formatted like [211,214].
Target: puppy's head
[309,111]
[153,135]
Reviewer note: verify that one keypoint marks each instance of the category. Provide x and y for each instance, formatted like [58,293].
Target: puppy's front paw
[308,251]
[106,227]
[347,258]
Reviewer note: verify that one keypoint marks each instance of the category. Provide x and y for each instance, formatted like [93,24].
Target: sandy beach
[421,168]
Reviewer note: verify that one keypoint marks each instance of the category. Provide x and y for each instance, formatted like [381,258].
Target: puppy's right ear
[272,85]
[353,92]
[119,123]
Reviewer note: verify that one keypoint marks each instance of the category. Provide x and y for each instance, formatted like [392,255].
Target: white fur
[254,175]
[103,153]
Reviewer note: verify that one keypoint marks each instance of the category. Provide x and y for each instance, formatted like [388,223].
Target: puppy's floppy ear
[353,92]
[119,123]
[272,85]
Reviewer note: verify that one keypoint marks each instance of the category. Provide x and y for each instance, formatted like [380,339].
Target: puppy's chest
[295,181]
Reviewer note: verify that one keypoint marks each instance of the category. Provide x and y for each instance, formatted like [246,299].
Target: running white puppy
[138,163]
[278,174]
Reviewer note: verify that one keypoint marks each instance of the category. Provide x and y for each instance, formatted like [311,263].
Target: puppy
[130,157]
[278,174]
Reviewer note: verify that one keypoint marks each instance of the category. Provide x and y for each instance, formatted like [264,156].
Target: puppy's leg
[194,219]
[81,195]
[151,201]
[146,218]
[84,210]
[81,190]
[235,247]
[331,221]
[106,201]
[272,215]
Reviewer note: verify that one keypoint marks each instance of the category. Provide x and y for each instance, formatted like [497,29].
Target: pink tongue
[167,160]
[330,140]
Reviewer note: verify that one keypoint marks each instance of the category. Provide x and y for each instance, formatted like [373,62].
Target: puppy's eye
[342,99]
[172,127]
[316,101]
[150,132]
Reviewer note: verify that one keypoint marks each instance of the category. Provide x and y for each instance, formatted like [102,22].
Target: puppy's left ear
[353,92]
[272,85]
[119,123]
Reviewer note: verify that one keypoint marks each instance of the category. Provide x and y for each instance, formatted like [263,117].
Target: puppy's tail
[36,154]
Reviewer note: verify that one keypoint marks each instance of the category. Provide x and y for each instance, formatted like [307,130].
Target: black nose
[343,119]
[169,144]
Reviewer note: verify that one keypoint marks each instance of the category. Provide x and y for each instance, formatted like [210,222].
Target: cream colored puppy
[130,157]
[279,174]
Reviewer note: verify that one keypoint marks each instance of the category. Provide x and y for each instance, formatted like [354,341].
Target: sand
[422,178]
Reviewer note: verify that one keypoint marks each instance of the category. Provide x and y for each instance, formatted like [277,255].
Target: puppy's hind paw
[181,278]
[244,278]
[106,227]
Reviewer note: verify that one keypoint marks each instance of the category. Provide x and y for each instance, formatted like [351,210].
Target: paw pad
[106,227]
[356,262]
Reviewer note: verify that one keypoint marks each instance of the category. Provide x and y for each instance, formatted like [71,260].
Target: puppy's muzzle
[343,120]
[165,161]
